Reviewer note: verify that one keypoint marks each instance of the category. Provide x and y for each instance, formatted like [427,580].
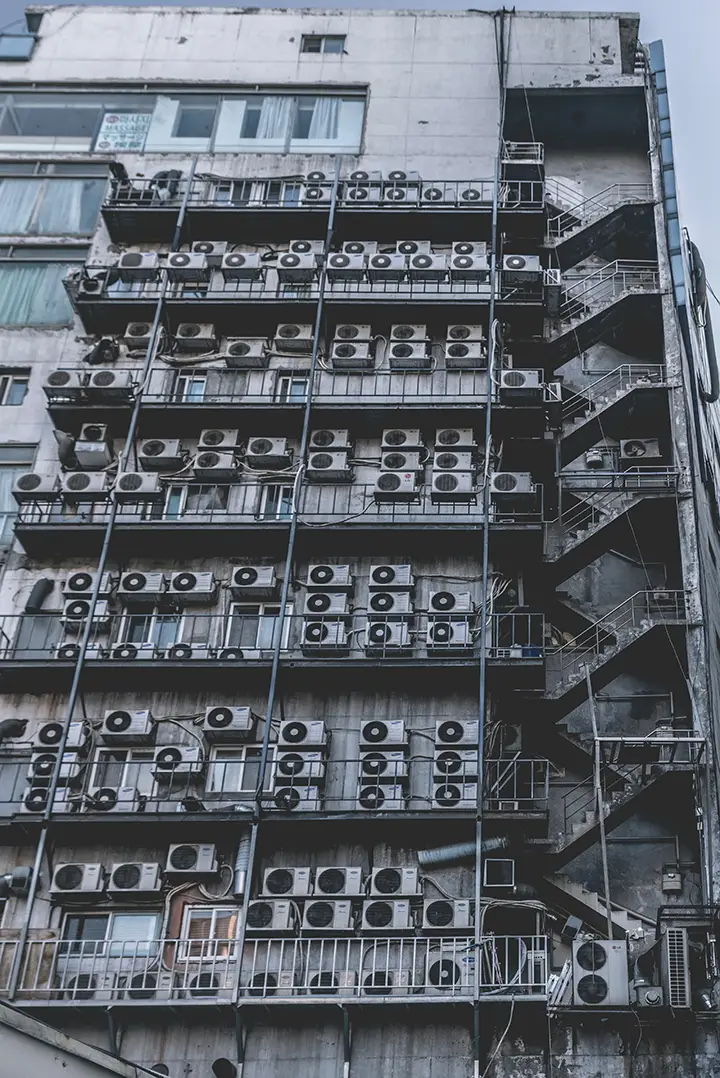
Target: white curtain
[32,294]
[17,202]
[274,117]
[324,123]
[61,209]
[8,505]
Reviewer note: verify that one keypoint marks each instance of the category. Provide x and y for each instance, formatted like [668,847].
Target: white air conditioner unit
[455,765]
[353,331]
[182,652]
[299,768]
[345,267]
[296,269]
[452,460]
[138,266]
[187,266]
[374,797]
[138,487]
[409,333]
[72,880]
[82,584]
[195,337]
[43,764]
[66,652]
[452,487]
[362,192]
[113,799]
[133,878]
[476,248]
[94,432]
[190,587]
[315,192]
[381,637]
[360,247]
[241,266]
[470,194]
[390,577]
[450,971]
[330,439]
[64,386]
[270,918]
[190,860]
[92,455]
[409,357]
[324,467]
[109,385]
[454,438]
[521,269]
[253,581]
[77,611]
[386,768]
[638,450]
[120,727]
[390,603]
[335,881]
[138,335]
[600,973]
[349,355]
[246,353]
[385,267]
[213,250]
[215,467]
[268,453]
[290,337]
[398,882]
[134,652]
[287,882]
[461,355]
[325,636]
[442,916]
[143,587]
[520,385]
[383,734]
[218,438]
[465,334]
[151,982]
[32,487]
[466,267]
[396,486]
[231,724]
[160,454]
[446,636]
[428,267]
[89,986]
[381,917]
[326,602]
[451,602]
[413,247]
[307,247]
[84,486]
[297,798]
[400,193]
[178,763]
[49,736]
[329,578]
[509,486]
[456,732]
[321,916]
[301,734]
[459,796]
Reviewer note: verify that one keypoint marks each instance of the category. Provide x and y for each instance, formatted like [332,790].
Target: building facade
[359,625]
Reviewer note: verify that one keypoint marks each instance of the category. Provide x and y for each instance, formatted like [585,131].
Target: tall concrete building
[359,619]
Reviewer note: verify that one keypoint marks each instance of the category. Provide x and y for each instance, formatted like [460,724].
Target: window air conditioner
[299,768]
[246,353]
[133,878]
[520,385]
[345,267]
[108,385]
[380,917]
[138,487]
[382,637]
[253,581]
[290,337]
[396,486]
[82,584]
[190,587]
[296,734]
[450,971]
[395,460]
[160,454]
[321,916]
[456,732]
[77,881]
[324,467]
[390,603]
[113,799]
[77,611]
[229,724]
[326,602]
[270,918]
[122,727]
[350,355]
[296,269]
[375,797]
[443,916]
[195,337]
[465,355]
[382,734]
[458,796]
[329,577]
[191,860]
[178,763]
[521,269]
[453,487]
[32,487]
[386,768]
[84,486]
[142,587]
[297,799]
[138,266]
[185,266]
[213,250]
[241,266]
[325,637]
[64,386]
[386,267]
[215,467]
[268,453]
[426,267]
[600,973]
[335,881]
[138,335]
[290,882]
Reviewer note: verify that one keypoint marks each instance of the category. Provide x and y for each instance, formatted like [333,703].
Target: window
[190,499]
[235,771]
[114,935]
[255,626]
[15,460]
[13,388]
[194,121]
[150,628]
[31,285]
[284,123]
[210,931]
[75,122]
[323,43]
[292,388]
[276,502]
[16,46]
[189,388]
[123,767]
[44,202]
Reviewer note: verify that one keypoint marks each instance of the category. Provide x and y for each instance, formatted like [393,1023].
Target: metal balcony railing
[532,152]
[581,212]
[304,970]
[586,294]
[611,386]
[516,785]
[172,634]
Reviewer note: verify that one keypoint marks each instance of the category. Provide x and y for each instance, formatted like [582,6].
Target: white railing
[623,378]
[581,212]
[587,293]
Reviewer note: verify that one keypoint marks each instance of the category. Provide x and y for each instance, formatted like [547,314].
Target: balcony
[183,973]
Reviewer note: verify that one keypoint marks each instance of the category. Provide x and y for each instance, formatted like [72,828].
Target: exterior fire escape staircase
[579,227]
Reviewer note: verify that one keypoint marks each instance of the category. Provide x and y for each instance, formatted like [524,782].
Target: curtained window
[32,294]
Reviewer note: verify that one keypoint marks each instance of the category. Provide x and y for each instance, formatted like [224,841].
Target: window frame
[135,757]
[262,510]
[210,948]
[46,174]
[78,950]
[242,758]
[8,381]
[20,464]
[323,39]
[241,610]
[69,256]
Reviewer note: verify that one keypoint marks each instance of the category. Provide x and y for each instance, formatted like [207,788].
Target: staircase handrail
[621,377]
[605,283]
[597,205]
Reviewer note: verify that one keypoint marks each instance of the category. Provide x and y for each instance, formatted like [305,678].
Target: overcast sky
[690,30]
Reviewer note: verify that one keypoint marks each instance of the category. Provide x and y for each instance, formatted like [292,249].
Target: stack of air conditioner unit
[409,348]
[465,347]
[453,473]
[401,465]
[469,262]
[300,765]
[362,188]
[329,457]
[390,607]
[423,265]
[45,761]
[455,764]
[352,348]
[383,767]
[401,188]
[299,264]
[327,606]
[512,493]
[450,624]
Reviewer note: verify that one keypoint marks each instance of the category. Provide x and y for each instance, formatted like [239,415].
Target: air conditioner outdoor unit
[178,763]
[215,467]
[122,727]
[380,917]
[382,734]
[396,486]
[452,460]
[459,796]
[409,333]
[92,284]
[389,603]
[296,269]
[32,487]
[521,269]
[297,798]
[193,587]
[395,460]
[396,192]
[450,971]
[138,487]
[182,652]
[109,385]
[326,602]
[639,450]
[511,486]
[461,355]
[92,455]
[77,880]
[246,353]
[457,732]
[353,331]
[408,357]
[270,918]
[362,192]
[241,266]
[426,267]
[143,587]
[64,385]
[413,247]
[213,250]
[470,194]
[84,486]
[81,987]
[386,768]
[339,881]
[329,577]
[287,882]
[324,467]
[383,636]
[321,916]
[475,248]
[455,765]
[138,266]
[229,724]
[316,192]
[443,916]
[520,385]
[386,267]
[195,337]
[330,439]
[374,797]
[268,453]
[307,247]
[345,267]
[77,611]
[253,581]
[398,882]
[133,878]
[298,734]
[350,355]
[325,637]
[600,973]
[187,266]
[218,438]
[390,577]
[675,967]
[469,267]
[465,334]
[138,335]
[451,602]
[160,454]
[94,432]
[299,768]
[134,652]
[113,799]
[82,584]
[43,764]
[67,652]
[190,860]
[49,736]
[452,487]
[290,337]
